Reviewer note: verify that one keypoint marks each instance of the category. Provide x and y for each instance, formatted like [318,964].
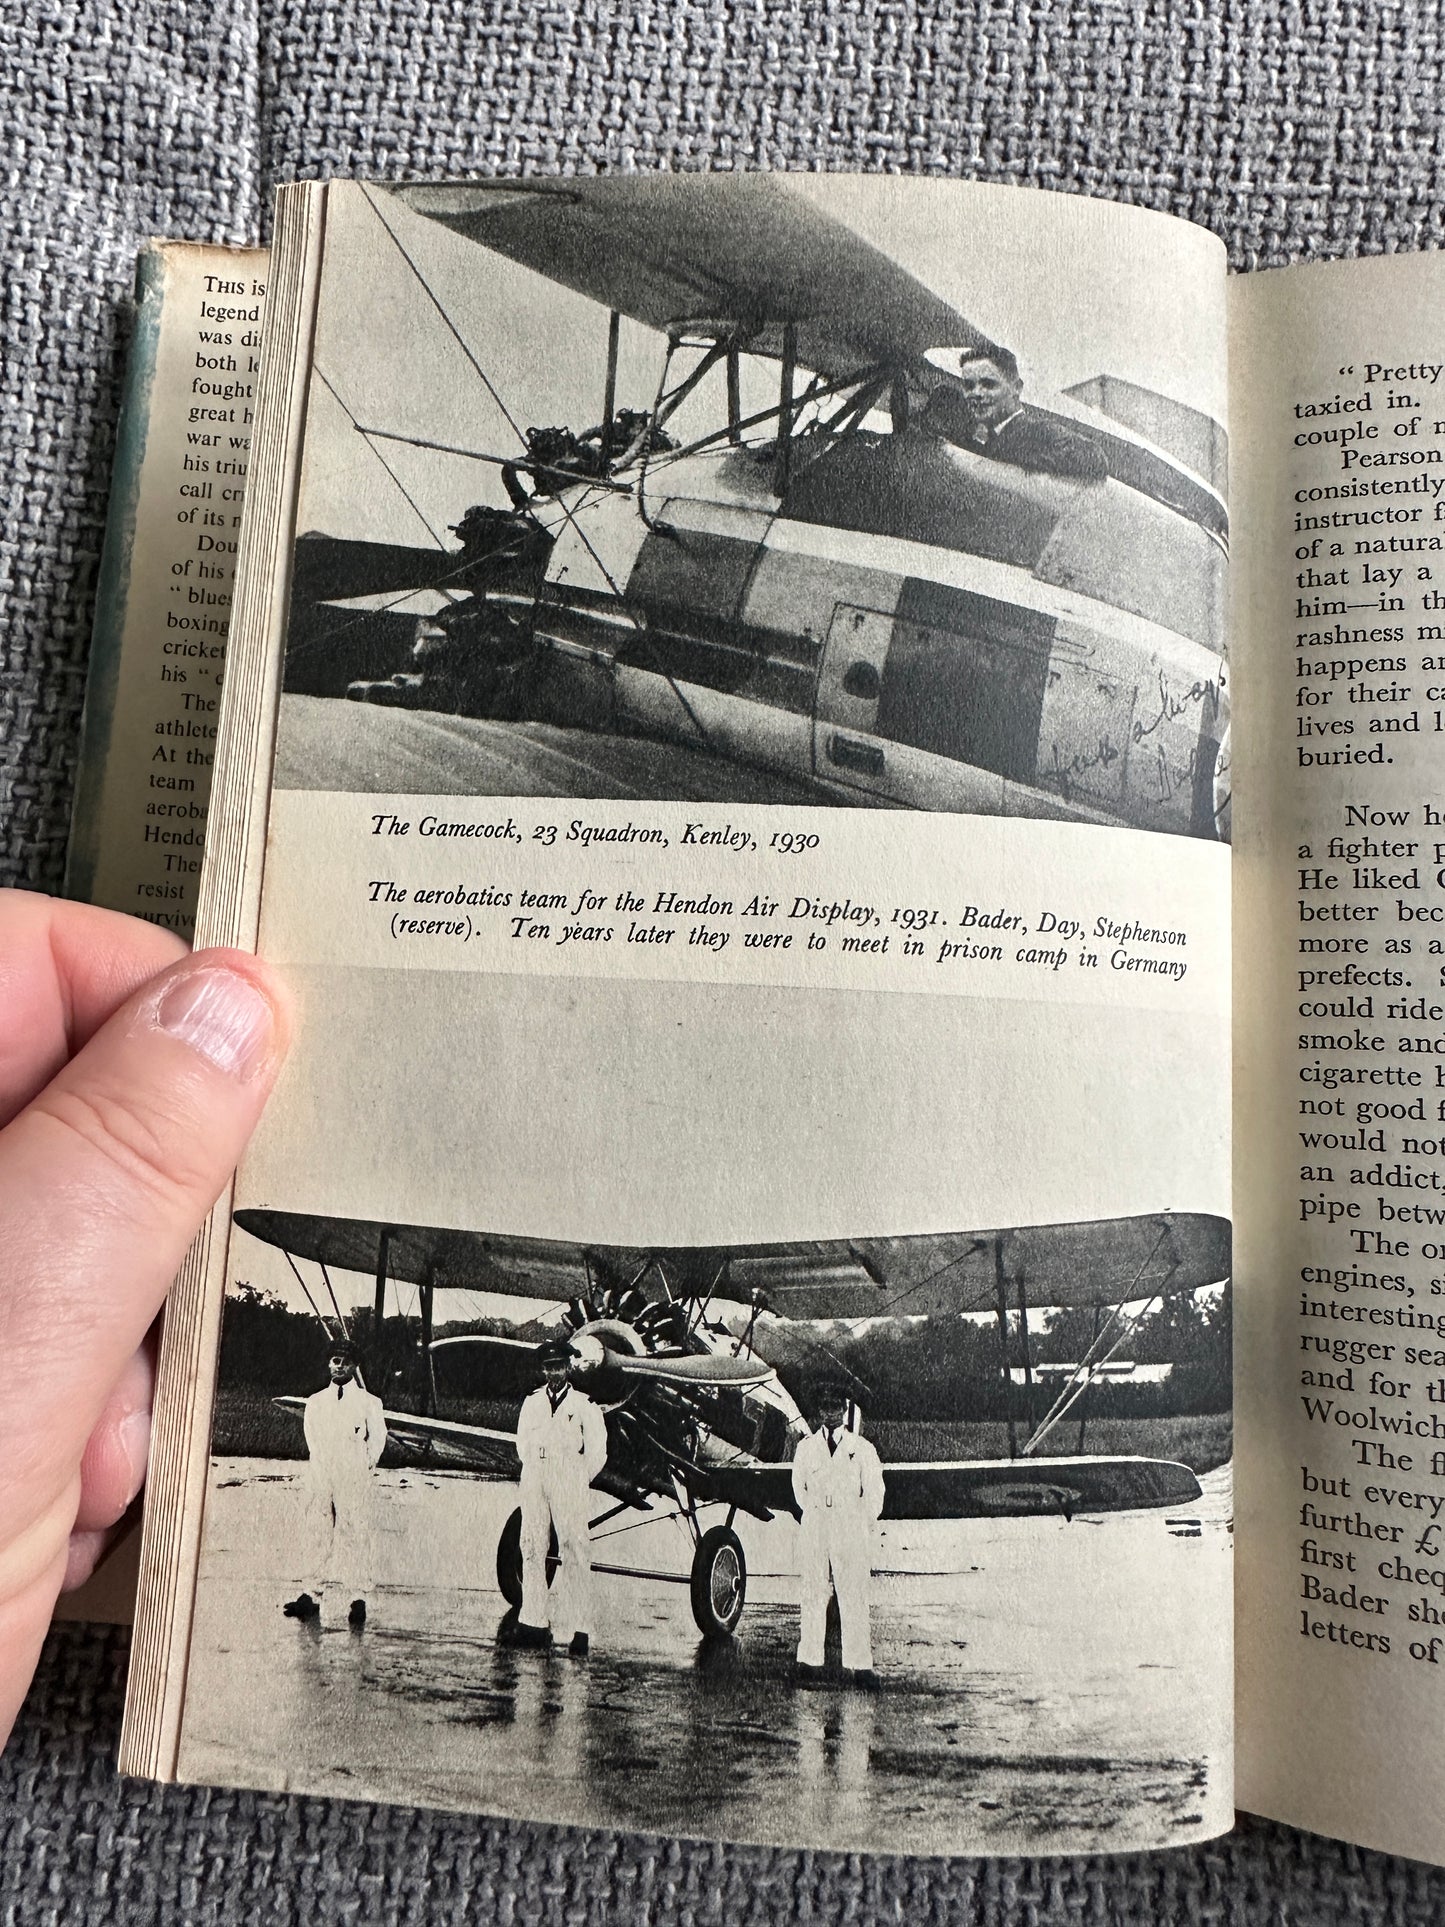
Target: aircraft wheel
[719,1582]
[509,1558]
[1213,813]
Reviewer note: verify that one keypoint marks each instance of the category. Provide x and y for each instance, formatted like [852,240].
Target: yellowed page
[143,778]
[1340,1047]
[164,597]
[700,959]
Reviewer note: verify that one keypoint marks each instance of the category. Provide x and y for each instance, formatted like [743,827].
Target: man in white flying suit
[838,1484]
[345,1432]
[562,1443]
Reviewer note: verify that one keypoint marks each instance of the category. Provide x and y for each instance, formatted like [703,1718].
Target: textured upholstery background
[1293,128]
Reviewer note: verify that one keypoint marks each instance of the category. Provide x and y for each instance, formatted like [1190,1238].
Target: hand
[131,1076]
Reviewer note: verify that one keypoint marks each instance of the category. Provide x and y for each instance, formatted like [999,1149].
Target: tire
[719,1583]
[509,1558]
[1211,816]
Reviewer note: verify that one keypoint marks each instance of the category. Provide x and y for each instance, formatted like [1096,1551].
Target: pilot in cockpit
[985,413]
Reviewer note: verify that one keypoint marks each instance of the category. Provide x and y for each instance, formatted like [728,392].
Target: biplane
[822,598]
[672,1342]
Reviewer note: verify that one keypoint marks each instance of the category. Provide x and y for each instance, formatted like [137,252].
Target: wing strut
[785,407]
[1001,1287]
[1027,1344]
[316,1310]
[735,399]
[609,388]
[427,1293]
[335,1304]
[383,1265]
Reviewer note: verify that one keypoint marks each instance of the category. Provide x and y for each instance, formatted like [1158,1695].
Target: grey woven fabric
[1291,127]
[79,1848]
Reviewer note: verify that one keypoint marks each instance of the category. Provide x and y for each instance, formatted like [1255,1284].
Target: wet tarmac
[1046,1685]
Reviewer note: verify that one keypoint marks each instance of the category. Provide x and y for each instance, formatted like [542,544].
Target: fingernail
[135,1442]
[222,1016]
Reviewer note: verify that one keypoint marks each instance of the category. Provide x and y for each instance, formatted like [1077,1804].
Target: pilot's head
[832,1402]
[556,1360]
[341,1364]
[991,385]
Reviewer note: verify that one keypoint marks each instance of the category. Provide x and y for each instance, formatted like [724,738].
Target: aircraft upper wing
[1100,1261]
[744,248]
[425,1254]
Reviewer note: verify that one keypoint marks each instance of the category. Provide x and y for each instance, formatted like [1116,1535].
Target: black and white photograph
[759,490]
[906,1541]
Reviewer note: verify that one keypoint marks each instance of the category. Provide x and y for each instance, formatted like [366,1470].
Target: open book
[740,694]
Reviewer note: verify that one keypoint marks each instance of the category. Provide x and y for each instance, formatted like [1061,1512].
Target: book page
[1340,1070]
[725,1328]
[143,777]
[163,601]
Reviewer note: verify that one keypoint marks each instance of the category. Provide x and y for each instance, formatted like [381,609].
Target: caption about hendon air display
[766,894]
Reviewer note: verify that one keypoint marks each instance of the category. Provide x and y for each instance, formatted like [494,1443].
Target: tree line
[938,1368]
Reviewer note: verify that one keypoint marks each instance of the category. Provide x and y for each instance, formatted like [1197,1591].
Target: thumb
[104,1180]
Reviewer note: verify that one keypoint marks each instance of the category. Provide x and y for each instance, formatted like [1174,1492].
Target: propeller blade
[874,1270]
[694,1368]
[486,1340]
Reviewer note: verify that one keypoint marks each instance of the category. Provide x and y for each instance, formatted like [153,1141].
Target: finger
[83,1554]
[64,967]
[104,1179]
[113,1467]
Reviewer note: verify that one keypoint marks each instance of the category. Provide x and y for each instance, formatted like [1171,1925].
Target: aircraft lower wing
[471,1448]
[478,1449]
[957,1489]
[984,1489]
[326,743]
[464,1448]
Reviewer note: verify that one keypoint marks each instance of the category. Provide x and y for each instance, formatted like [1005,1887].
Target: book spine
[113,588]
[228,913]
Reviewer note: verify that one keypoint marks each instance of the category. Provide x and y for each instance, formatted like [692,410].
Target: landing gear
[719,1582]
[509,1558]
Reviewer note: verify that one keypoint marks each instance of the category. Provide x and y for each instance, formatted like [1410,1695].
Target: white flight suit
[562,1450]
[345,1433]
[840,1495]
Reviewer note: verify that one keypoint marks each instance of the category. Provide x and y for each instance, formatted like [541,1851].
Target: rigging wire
[1080,1382]
[465,563]
[1076,1386]
[569,475]
[918,1285]
[415,507]
[402,249]
[581,534]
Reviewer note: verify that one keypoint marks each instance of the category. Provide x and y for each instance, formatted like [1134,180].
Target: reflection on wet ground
[1053,1690]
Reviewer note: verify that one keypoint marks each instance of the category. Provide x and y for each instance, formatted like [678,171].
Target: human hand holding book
[131,1075]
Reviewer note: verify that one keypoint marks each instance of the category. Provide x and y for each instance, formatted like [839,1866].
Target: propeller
[693,1368]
